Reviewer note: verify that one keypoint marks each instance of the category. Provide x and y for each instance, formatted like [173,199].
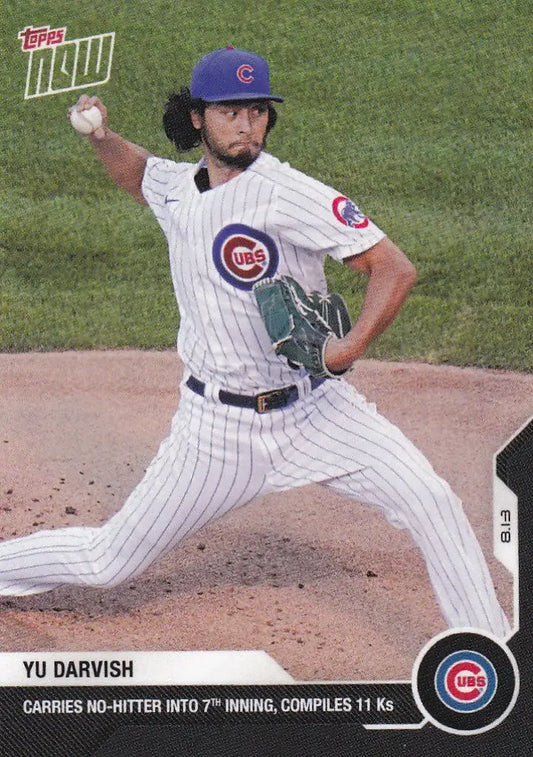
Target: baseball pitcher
[264,406]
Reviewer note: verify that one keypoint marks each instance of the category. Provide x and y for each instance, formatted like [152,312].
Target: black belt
[261,403]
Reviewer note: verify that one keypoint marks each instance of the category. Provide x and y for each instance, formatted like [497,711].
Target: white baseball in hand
[86,121]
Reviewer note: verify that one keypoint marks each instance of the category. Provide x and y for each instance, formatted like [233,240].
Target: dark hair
[177,119]
[178,124]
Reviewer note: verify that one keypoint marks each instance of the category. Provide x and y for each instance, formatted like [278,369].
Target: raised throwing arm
[123,160]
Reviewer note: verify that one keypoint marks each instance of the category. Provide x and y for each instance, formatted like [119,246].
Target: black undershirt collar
[201,179]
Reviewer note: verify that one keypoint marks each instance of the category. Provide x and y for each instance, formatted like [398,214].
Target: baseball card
[266,427]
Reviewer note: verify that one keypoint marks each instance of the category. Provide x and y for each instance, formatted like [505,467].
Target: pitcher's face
[233,133]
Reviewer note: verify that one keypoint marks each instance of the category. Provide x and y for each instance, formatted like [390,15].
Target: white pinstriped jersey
[217,457]
[270,219]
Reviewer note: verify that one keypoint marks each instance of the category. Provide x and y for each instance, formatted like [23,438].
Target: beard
[242,160]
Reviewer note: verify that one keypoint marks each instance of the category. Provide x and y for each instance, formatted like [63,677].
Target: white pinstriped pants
[218,457]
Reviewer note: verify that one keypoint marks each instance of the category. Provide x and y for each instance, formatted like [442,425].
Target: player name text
[87,669]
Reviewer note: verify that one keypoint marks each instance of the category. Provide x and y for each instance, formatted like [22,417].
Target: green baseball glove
[333,310]
[300,324]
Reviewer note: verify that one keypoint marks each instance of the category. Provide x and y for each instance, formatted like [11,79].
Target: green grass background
[420,111]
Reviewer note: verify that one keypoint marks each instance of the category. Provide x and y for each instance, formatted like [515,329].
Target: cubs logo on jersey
[348,213]
[243,255]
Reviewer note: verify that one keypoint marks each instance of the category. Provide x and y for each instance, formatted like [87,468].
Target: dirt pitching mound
[325,586]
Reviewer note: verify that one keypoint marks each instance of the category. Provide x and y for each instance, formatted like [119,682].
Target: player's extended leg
[193,479]
[398,480]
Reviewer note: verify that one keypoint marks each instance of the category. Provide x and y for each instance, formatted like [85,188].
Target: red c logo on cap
[244,73]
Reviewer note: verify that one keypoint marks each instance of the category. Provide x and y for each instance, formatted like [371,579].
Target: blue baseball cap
[231,74]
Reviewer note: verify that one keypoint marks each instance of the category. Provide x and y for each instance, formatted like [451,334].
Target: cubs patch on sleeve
[347,213]
[315,217]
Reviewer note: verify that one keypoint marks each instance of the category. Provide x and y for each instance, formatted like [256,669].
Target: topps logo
[56,65]
[33,38]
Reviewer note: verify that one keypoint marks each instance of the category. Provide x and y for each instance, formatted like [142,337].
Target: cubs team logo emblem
[465,681]
[244,73]
[243,255]
[348,213]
